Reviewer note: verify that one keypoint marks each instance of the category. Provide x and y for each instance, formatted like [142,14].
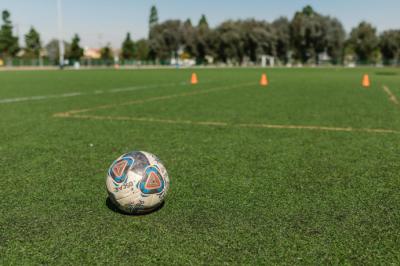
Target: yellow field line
[392,97]
[159,98]
[225,124]
[78,114]
[321,128]
[147,119]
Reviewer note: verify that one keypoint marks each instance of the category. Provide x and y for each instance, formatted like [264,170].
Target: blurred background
[121,33]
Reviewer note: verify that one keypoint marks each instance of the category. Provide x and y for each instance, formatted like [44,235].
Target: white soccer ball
[137,182]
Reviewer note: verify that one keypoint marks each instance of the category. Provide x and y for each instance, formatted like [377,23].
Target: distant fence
[85,62]
[16,62]
[23,62]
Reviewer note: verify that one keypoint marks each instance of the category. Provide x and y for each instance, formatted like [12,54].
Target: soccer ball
[137,182]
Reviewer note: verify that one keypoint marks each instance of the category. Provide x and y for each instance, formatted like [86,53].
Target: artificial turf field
[304,171]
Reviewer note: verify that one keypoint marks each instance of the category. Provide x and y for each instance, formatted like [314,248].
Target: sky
[102,22]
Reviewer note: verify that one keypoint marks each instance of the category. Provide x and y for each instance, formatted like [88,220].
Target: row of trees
[309,37]
[9,45]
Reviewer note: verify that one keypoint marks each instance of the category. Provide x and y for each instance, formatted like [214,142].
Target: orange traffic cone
[194,79]
[366,83]
[264,80]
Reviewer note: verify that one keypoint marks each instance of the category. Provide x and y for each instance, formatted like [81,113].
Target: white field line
[78,114]
[97,92]
[225,124]
[40,97]
[391,95]
[158,98]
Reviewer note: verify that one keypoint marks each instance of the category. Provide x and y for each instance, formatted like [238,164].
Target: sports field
[304,171]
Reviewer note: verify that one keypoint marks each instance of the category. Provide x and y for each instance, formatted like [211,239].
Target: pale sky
[99,22]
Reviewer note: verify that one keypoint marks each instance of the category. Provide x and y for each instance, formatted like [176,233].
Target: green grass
[238,195]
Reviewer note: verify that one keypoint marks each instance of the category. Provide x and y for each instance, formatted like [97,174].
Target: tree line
[308,38]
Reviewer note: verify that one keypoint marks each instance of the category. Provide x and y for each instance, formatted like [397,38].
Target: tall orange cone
[194,79]
[264,80]
[366,83]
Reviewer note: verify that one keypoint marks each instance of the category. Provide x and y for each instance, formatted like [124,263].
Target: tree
[32,43]
[153,19]
[165,39]
[365,42]
[282,31]
[203,21]
[390,46]
[75,52]
[258,39]
[188,22]
[106,53]
[142,50]
[128,48]
[308,32]
[335,38]
[53,50]
[229,44]
[348,53]
[313,34]
[237,40]
[189,38]
[205,40]
[8,43]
